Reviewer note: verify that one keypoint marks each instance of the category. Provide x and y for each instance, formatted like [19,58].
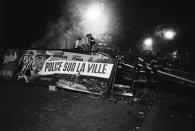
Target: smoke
[71,24]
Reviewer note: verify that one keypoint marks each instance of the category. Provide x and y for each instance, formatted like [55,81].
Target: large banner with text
[87,73]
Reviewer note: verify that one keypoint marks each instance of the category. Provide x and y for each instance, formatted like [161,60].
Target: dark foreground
[34,108]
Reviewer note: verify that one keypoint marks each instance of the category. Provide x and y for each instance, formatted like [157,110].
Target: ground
[34,108]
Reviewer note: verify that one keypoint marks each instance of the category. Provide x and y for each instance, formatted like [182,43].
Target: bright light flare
[169,34]
[96,19]
[148,42]
[93,13]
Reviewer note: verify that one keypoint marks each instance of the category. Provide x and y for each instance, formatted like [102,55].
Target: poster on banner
[9,63]
[30,65]
[82,83]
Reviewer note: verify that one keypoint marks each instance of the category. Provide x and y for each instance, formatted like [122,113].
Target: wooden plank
[122,94]
[79,90]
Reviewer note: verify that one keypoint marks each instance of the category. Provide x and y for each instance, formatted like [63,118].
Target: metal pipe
[176,77]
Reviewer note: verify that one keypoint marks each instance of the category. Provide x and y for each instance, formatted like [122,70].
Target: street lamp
[169,34]
[148,42]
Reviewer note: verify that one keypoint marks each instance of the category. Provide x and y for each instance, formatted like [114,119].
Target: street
[34,108]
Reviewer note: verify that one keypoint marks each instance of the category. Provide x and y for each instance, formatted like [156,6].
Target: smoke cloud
[71,24]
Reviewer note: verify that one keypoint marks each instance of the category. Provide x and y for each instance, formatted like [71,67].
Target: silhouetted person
[91,42]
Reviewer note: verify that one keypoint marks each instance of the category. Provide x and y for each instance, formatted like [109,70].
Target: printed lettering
[78,68]
[82,67]
[90,67]
[99,69]
[104,68]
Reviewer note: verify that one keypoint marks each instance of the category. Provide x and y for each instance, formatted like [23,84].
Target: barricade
[57,68]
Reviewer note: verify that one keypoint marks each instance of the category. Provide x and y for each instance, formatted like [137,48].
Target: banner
[102,70]
[87,73]
[8,64]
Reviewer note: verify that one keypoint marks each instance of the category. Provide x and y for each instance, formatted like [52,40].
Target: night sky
[26,21]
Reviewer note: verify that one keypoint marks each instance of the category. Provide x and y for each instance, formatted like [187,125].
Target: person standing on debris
[77,43]
[91,42]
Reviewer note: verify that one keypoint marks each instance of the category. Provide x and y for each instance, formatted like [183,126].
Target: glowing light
[169,34]
[95,19]
[148,42]
[93,13]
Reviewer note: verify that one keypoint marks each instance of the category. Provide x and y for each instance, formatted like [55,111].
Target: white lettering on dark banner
[28,63]
[102,70]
